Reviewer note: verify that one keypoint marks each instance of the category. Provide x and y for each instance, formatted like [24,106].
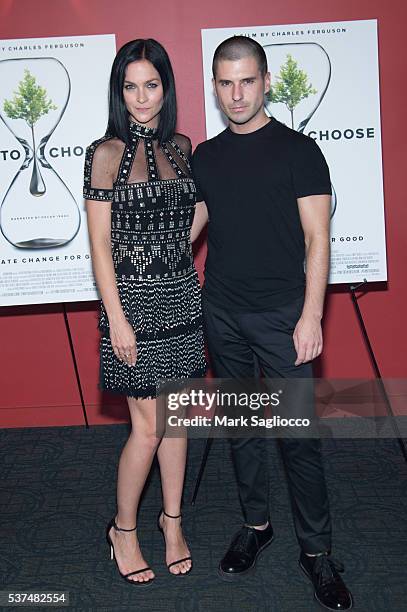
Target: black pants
[239,343]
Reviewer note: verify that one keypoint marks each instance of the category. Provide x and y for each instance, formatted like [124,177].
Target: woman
[140,201]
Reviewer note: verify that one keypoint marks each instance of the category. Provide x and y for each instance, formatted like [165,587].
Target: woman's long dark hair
[151,50]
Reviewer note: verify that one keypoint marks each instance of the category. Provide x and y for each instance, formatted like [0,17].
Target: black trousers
[238,344]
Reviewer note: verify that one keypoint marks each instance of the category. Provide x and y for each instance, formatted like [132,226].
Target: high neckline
[142,131]
[251,135]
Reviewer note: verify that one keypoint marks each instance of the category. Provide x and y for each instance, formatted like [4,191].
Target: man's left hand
[307,339]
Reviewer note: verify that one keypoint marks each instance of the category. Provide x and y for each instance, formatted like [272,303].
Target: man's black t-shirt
[250,184]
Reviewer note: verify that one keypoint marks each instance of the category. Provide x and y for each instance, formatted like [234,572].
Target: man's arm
[315,218]
[201,211]
[200,220]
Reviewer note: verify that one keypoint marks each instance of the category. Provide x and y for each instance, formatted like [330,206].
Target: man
[267,191]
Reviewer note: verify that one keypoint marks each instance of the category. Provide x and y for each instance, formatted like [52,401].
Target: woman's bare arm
[99,227]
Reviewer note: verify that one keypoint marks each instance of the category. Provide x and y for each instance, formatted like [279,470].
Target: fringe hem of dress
[148,392]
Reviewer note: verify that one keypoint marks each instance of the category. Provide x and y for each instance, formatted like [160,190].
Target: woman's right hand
[123,341]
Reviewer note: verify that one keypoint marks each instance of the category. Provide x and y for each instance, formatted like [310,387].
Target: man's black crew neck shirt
[250,184]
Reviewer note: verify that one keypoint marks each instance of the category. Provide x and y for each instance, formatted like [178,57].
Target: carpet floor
[58,493]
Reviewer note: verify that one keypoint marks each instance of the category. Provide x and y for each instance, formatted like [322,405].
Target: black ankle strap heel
[114,525]
[162,511]
[125,577]
[169,515]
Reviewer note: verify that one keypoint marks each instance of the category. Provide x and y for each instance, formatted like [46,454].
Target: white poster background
[341,61]
[60,273]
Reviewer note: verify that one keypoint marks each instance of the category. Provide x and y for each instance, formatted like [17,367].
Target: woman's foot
[128,554]
[176,546]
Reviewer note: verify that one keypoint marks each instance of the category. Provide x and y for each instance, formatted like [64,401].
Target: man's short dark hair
[237,47]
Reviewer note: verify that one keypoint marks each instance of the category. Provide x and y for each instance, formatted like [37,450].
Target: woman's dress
[152,209]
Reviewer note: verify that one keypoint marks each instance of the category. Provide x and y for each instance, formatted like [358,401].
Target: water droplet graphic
[38,210]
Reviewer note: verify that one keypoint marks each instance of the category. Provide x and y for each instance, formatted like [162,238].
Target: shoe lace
[327,568]
[242,537]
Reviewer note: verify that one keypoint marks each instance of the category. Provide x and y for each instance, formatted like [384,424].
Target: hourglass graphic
[38,210]
[300,77]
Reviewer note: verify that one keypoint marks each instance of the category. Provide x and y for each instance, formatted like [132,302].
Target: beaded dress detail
[152,208]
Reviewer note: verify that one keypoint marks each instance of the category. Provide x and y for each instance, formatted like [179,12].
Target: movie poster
[325,84]
[53,103]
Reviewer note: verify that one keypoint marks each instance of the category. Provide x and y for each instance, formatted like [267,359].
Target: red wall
[38,385]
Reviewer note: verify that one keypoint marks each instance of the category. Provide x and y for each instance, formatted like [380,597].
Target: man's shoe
[329,588]
[243,551]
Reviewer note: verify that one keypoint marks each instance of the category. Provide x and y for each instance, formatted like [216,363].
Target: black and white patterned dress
[153,201]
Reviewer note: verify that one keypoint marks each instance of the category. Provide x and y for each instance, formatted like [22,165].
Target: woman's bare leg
[172,457]
[134,465]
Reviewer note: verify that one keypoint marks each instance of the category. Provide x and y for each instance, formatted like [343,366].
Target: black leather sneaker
[243,551]
[329,589]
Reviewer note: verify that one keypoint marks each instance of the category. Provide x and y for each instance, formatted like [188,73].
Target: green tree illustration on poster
[29,102]
[291,87]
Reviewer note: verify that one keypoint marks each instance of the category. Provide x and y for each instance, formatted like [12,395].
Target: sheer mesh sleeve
[98,183]
[183,143]
[183,147]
